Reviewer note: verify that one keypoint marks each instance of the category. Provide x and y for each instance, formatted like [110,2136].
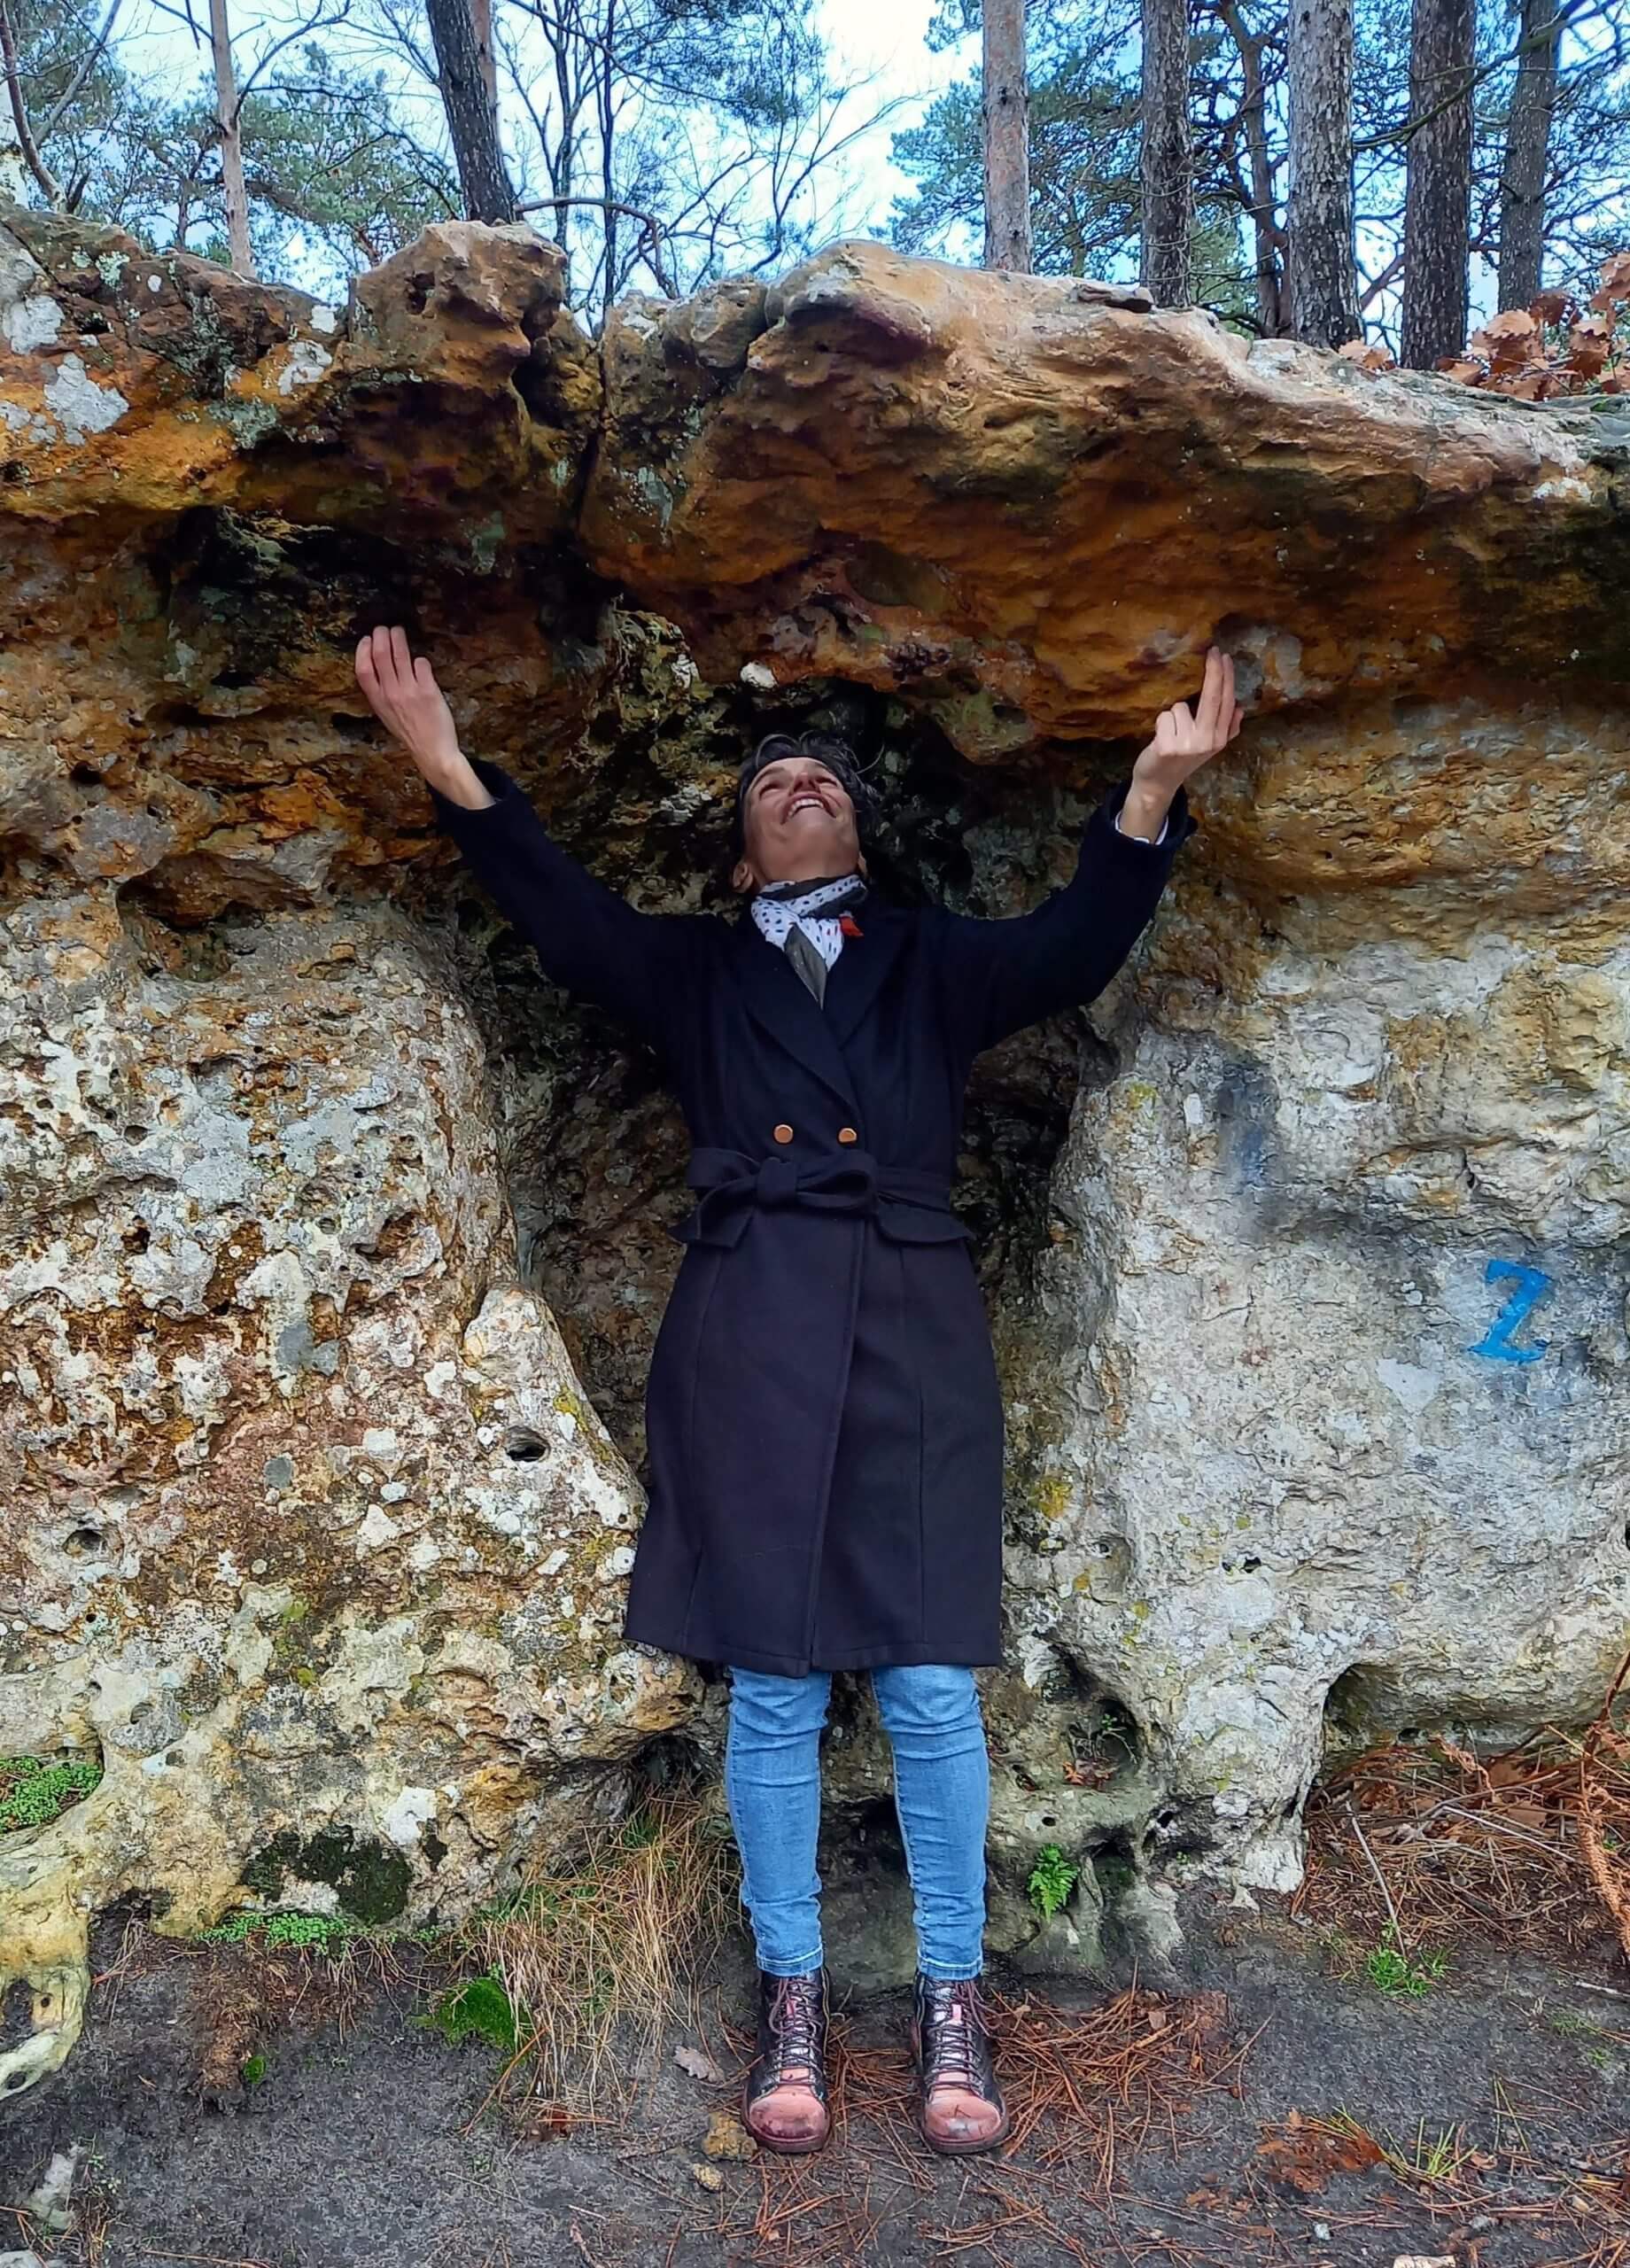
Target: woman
[824,1420]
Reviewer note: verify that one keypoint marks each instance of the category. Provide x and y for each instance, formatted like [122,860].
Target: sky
[891,37]
[886,38]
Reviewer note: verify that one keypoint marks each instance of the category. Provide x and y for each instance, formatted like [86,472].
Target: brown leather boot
[784,2104]
[960,2107]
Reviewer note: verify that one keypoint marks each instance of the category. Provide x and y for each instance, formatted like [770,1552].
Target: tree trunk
[1527,148]
[1319,210]
[472,121]
[1437,183]
[481,23]
[1168,166]
[236,196]
[1008,138]
[1266,234]
[608,128]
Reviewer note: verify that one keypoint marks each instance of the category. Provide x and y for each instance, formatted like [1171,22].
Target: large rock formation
[1306,1250]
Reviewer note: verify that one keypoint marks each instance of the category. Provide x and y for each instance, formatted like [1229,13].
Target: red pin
[850,927]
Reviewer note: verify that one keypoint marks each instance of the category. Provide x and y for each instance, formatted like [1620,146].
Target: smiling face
[797,825]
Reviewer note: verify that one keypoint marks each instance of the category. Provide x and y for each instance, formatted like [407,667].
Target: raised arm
[587,938]
[1001,975]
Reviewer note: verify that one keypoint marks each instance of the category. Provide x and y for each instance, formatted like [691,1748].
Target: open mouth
[804,803]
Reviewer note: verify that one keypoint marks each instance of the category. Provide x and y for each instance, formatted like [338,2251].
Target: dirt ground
[1500,2096]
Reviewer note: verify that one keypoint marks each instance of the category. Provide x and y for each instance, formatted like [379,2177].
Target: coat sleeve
[1003,975]
[590,941]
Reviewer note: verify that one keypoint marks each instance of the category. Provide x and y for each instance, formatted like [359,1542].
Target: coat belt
[732,1187]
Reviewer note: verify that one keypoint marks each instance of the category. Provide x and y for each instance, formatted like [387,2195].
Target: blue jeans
[942,1775]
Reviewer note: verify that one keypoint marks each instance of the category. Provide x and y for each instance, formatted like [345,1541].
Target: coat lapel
[862,966]
[788,1012]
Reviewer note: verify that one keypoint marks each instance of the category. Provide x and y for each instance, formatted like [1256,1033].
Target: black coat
[823,1415]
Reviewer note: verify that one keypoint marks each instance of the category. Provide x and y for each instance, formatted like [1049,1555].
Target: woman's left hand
[1181,744]
[1183,741]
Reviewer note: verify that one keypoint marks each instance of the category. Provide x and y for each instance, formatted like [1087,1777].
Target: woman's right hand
[403,694]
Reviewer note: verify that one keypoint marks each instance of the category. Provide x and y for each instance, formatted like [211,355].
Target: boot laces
[953,2049]
[795,2017]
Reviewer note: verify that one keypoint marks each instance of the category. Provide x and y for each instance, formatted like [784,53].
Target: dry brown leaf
[1550,307]
[1468,373]
[1507,341]
[1308,2152]
[1366,356]
[1615,276]
[699,2063]
[1589,342]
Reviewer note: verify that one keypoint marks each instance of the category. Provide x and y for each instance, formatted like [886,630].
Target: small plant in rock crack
[1391,1970]
[1053,1878]
[293,1932]
[33,1792]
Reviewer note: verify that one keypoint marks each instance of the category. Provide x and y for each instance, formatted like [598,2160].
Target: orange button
[783,1133]
[848,1134]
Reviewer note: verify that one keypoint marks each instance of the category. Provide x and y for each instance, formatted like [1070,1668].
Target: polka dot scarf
[805,920]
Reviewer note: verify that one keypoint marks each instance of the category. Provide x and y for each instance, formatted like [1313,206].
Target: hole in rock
[1366,1707]
[524,1446]
[79,1542]
[1114,1862]
[1104,1735]
[1173,1833]
[16,2016]
[672,1764]
[395,1231]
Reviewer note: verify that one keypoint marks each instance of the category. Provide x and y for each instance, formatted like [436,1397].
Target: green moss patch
[370,1879]
[478,2009]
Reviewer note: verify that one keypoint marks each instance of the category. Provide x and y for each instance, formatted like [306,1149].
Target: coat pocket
[903,1223]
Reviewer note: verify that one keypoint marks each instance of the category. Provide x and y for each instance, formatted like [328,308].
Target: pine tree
[1438,182]
[1324,275]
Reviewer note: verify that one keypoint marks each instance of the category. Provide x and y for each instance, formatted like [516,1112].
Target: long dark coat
[823,1415]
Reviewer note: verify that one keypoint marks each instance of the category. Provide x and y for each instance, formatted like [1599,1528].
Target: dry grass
[599,1951]
[1532,1846]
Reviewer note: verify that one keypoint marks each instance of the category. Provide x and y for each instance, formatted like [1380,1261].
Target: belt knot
[777,1181]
